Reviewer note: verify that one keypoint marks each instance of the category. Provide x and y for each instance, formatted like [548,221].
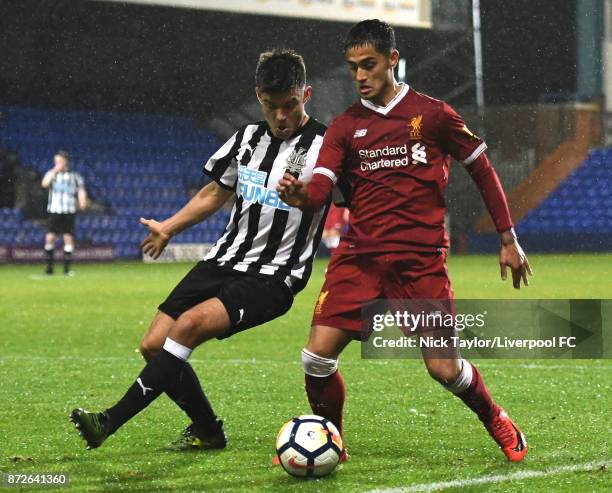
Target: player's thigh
[200,323]
[53,224]
[68,239]
[202,282]
[420,284]
[153,340]
[351,282]
[328,342]
[252,300]
[49,237]
[418,275]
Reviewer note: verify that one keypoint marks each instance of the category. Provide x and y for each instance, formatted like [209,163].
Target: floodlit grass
[72,342]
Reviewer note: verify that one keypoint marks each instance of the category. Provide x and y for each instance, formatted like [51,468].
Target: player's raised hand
[292,191]
[155,242]
[512,255]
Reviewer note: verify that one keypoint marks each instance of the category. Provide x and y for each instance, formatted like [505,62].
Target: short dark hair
[373,32]
[280,70]
[64,154]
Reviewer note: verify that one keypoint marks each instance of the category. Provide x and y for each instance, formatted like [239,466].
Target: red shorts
[354,279]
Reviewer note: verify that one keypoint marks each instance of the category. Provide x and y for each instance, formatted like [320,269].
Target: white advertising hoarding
[409,13]
[181,252]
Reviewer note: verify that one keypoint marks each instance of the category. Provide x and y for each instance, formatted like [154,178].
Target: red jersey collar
[383,110]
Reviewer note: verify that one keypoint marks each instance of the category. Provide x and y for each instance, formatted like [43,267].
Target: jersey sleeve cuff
[213,177]
[326,172]
[477,152]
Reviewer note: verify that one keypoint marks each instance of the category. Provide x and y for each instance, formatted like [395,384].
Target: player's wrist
[508,237]
[167,230]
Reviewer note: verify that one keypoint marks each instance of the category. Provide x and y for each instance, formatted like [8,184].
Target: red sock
[478,399]
[326,397]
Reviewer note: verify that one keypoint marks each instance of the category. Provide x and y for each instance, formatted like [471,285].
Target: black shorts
[60,223]
[250,300]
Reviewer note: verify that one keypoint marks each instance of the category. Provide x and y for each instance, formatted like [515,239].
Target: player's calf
[324,387]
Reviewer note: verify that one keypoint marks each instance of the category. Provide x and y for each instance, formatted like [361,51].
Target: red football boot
[509,438]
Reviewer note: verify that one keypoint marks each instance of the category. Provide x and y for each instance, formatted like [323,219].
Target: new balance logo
[144,389]
[360,133]
[241,313]
[418,154]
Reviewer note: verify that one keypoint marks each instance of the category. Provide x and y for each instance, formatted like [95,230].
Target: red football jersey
[396,159]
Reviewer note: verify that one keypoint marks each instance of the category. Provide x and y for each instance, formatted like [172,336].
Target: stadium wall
[118,57]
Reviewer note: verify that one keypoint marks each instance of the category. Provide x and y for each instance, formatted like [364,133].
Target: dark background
[108,56]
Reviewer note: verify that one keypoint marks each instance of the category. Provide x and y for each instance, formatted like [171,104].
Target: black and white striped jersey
[264,234]
[63,192]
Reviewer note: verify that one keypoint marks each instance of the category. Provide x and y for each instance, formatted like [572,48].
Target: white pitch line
[498,478]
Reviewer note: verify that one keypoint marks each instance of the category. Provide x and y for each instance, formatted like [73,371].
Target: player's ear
[258,94]
[394,58]
[307,94]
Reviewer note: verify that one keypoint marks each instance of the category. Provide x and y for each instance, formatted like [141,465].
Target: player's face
[60,162]
[372,71]
[284,112]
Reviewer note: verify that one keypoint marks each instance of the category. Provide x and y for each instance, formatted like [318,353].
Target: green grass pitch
[70,342]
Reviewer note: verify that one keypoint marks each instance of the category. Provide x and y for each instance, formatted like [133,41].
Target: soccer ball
[309,446]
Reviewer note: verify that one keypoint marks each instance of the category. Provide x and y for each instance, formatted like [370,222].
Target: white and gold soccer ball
[309,446]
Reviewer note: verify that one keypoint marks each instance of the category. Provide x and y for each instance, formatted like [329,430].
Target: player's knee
[322,348]
[149,348]
[444,371]
[317,366]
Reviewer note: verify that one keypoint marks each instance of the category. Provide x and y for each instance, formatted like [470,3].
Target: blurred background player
[66,192]
[251,274]
[395,146]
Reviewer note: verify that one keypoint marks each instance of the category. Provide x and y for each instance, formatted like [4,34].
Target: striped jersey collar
[383,110]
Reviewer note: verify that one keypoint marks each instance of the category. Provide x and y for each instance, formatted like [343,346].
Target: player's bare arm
[82,196]
[205,203]
[512,255]
[49,175]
